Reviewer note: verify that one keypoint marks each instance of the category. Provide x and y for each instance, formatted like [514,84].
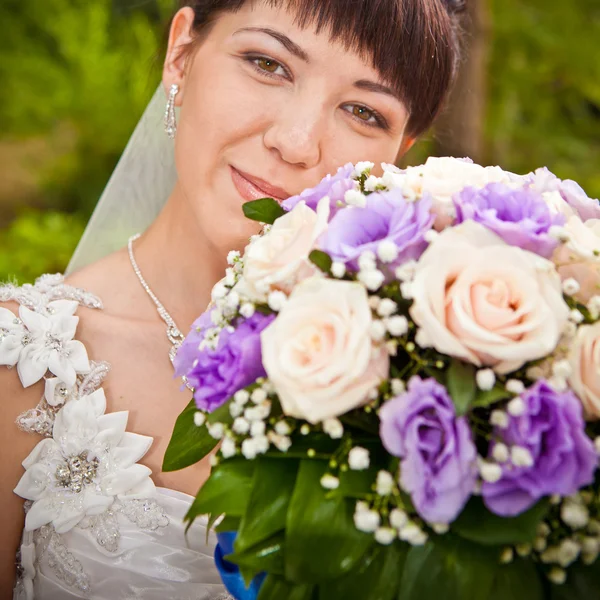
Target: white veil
[136,192]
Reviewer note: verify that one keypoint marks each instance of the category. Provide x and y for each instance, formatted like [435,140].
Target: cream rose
[318,352]
[442,177]
[279,259]
[478,299]
[579,258]
[584,357]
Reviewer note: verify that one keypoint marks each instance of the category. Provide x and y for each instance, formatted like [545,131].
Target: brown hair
[414,44]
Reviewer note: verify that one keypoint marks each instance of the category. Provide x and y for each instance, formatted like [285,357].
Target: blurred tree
[38,242]
[460,128]
[544,88]
[76,67]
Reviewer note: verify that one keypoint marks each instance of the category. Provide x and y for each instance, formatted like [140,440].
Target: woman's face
[268,109]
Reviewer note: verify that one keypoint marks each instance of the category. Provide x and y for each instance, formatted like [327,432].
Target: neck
[178,261]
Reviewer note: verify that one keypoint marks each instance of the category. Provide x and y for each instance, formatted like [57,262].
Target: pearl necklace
[173,332]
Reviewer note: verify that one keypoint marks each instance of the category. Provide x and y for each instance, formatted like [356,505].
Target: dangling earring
[170,122]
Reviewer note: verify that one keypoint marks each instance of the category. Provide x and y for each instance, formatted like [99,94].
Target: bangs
[411,43]
[407,41]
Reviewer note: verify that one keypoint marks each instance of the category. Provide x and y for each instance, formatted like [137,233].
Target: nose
[296,133]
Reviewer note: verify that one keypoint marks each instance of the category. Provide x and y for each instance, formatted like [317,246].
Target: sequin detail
[67,568]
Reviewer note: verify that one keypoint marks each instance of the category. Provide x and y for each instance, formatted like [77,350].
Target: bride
[271,95]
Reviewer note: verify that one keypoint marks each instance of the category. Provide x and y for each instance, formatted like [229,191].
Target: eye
[267,66]
[368,116]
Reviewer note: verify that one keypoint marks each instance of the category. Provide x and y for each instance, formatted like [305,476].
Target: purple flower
[334,186]
[555,454]
[236,363]
[386,216]
[519,216]
[188,351]
[571,192]
[439,460]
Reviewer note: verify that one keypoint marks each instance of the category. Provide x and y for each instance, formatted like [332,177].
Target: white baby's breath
[386,308]
[366,520]
[276,300]
[387,251]
[570,286]
[355,198]
[372,279]
[338,269]
[241,426]
[514,386]
[228,448]
[398,518]
[329,482]
[216,430]
[397,325]
[516,407]
[199,418]
[397,386]
[333,428]
[521,457]
[500,452]
[247,309]
[490,472]
[258,396]
[384,484]
[358,459]
[385,535]
[485,379]
[257,428]
[377,330]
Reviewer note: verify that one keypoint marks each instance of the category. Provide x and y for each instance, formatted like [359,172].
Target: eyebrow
[372,86]
[283,39]
[293,48]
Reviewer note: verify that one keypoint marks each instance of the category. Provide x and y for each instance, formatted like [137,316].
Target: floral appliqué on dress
[85,471]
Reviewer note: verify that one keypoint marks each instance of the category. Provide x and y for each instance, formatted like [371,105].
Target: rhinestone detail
[77,471]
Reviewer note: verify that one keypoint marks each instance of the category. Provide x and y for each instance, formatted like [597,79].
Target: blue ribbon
[230,573]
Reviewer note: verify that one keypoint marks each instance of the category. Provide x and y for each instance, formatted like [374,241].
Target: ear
[180,34]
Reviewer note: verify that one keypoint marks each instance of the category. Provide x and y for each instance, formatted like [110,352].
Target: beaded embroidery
[87,461]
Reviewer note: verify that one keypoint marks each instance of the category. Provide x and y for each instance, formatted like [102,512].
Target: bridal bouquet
[403,374]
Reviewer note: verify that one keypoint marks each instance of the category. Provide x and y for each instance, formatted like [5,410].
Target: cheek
[346,145]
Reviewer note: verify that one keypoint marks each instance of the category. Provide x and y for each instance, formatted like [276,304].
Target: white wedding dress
[96,525]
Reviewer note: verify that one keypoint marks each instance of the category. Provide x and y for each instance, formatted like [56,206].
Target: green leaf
[221,414]
[518,580]
[322,260]
[460,381]
[226,491]
[189,443]
[276,588]
[359,419]
[321,540]
[483,399]
[272,488]
[377,577]
[583,583]
[448,568]
[228,524]
[267,556]
[478,524]
[264,210]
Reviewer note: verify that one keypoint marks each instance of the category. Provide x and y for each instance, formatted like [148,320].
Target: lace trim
[40,419]
[146,514]
[64,564]
[47,288]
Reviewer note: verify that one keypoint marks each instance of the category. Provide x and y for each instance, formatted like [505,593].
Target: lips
[253,188]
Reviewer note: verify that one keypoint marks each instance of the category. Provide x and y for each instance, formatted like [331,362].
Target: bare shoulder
[15,446]
[107,278]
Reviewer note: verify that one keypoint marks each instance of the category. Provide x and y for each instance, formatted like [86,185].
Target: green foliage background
[77,74]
